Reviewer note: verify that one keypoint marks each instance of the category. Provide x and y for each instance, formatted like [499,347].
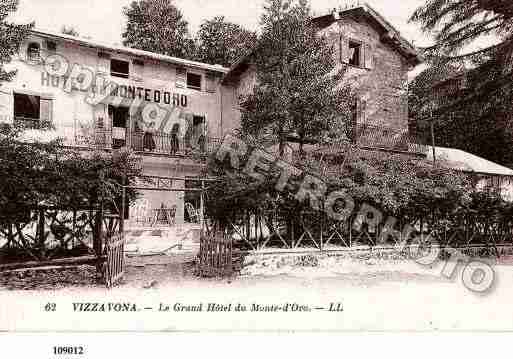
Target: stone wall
[381,80]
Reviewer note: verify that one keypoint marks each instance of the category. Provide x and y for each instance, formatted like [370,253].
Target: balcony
[385,138]
[367,137]
[149,143]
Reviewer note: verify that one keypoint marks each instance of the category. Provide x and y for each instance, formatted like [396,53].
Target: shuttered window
[194,81]
[119,68]
[181,78]
[355,56]
[34,52]
[356,53]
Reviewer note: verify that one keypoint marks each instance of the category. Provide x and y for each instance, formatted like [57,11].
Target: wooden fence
[112,232]
[268,230]
[216,255]
[61,237]
[115,257]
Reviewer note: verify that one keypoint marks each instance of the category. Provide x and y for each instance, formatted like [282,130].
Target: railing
[31,123]
[163,143]
[154,143]
[387,138]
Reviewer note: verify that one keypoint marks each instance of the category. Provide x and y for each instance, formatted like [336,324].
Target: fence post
[98,245]
[41,232]
[350,232]
[322,229]
[123,204]
[202,205]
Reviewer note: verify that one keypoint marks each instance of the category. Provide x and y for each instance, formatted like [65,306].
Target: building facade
[107,97]
[377,61]
[164,108]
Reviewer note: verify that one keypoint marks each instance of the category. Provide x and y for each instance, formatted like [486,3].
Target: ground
[375,295]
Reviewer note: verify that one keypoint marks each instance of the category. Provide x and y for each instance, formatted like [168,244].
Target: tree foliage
[399,186]
[11,37]
[297,89]
[47,173]
[475,116]
[223,42]
[457,24]
[445,95]
[157,26]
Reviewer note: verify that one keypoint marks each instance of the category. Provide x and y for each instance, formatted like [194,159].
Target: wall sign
[110,88]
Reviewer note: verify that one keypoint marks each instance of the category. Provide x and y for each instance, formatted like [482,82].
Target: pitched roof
[389,34]
[80,41]
[465,161]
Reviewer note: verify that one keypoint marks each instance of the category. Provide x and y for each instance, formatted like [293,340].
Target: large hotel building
[110,97]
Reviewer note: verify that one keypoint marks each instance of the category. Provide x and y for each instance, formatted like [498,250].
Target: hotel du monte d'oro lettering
[102,86]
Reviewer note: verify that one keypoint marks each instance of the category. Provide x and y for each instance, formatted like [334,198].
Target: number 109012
[63,350]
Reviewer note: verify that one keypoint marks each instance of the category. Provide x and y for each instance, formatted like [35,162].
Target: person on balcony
[175,145]
[148,138]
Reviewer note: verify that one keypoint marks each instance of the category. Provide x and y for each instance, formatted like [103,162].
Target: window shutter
[6,107]
[211,83]
[103,63]
[344,49]
[337,50]
[362,111]
[181,78]
[45,111]
[138,70]
[368,55]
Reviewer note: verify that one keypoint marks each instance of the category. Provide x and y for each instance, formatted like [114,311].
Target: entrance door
[120,117]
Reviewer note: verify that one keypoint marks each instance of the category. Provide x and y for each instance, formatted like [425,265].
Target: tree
[11,37]
[157,26]
[298,84]
[222,42]
[457,24]
[473,117]
[46,172]
[69,30]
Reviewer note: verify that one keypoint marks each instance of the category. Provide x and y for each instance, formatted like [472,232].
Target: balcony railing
[151,143]
[386,138]
[31,123]
[164,143]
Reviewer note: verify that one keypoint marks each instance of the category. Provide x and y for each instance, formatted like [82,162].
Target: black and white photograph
[269,166]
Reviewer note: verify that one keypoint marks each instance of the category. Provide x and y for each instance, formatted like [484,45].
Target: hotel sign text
[106,87]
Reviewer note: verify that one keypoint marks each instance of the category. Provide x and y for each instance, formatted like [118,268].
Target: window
[51,46]
[33,52]
[27,106]
[32,111]
[193,81]
[119,68]
[355,54]
[119,118]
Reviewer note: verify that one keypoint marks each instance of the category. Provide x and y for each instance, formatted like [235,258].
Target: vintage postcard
[255,166]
